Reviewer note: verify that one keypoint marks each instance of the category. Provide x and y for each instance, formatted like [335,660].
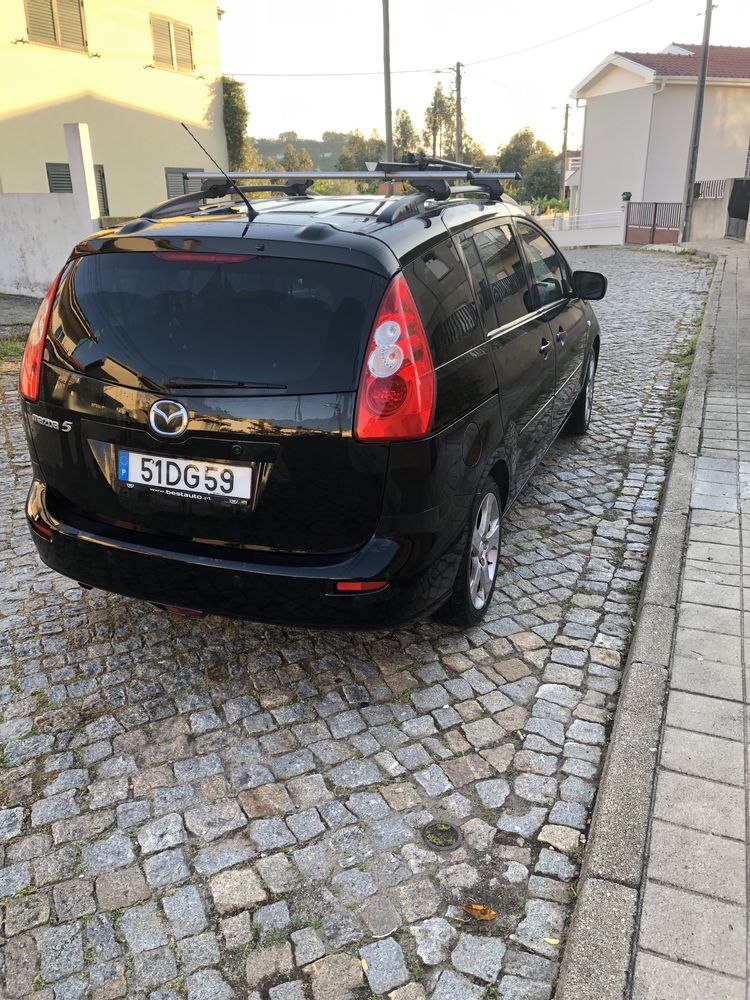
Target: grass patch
[681,377]
[12,348]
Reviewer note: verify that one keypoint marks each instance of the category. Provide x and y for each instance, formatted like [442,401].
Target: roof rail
[293,188]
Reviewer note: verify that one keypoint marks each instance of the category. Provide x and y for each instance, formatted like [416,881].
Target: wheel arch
[501,474]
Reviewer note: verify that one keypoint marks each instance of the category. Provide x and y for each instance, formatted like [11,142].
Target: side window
[505,272]
[479,278]
[442,291]
[547,270]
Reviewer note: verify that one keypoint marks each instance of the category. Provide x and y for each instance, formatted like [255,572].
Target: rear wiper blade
[218,383]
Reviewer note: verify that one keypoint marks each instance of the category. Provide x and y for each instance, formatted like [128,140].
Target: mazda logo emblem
[167,418]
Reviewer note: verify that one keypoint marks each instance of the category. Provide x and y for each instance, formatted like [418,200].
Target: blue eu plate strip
[123,468]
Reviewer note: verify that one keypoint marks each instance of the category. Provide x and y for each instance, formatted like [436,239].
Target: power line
[475,62]
[560,38]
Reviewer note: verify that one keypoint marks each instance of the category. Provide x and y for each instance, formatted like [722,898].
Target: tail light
[396,397]
[177,256]
[31,365]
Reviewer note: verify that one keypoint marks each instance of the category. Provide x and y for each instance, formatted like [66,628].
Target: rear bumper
[223,582]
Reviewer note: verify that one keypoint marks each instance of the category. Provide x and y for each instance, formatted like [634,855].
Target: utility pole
[459,130]
[387,78]
[564,164]
[695,135]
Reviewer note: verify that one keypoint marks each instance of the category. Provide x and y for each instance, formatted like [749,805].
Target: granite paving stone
[174,788]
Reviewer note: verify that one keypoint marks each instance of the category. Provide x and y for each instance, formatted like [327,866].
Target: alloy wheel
[591,375]
[485,548]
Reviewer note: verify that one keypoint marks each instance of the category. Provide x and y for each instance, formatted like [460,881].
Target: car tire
[477,572]
[580,414]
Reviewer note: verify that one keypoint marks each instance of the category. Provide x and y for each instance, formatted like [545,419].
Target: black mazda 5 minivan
[310,410]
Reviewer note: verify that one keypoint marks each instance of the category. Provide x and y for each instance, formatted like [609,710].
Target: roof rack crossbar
[406,172]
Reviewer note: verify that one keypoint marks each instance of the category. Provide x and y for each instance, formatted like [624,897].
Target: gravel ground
[211,809]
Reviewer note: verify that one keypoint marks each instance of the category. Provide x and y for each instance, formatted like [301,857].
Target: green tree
[288,137]
[440,122]
[251,159]
[405,137]
[358,151]
[515,154]
[474,153]
[541,176]
[296,159]
[235,120]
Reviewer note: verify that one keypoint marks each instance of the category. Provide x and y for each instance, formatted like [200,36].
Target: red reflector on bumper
[188,612]
[359,586]
[42,530]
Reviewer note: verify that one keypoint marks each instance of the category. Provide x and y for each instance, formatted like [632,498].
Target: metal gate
[653,222]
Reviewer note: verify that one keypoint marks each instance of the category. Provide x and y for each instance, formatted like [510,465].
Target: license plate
[185,477]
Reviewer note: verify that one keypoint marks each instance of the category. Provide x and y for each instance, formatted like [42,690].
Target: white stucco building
[639,108]
[131,70]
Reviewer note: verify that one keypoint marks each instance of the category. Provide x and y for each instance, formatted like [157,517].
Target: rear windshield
[149,318]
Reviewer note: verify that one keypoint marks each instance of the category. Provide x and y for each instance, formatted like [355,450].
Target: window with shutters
[58,178]
[56,22]
[173,44]
[178,183]
[101,189]
[58,181]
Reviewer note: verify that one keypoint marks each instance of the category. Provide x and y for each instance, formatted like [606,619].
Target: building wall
[725,134]
[133,112]
[615,142]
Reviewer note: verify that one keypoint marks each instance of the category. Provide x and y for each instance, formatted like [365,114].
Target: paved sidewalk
[692,940]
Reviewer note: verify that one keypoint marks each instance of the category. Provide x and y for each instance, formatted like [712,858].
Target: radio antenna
[251,213]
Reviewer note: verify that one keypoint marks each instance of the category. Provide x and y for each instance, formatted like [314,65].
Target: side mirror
[589,284]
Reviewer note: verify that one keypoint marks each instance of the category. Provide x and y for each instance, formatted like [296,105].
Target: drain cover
[441,836]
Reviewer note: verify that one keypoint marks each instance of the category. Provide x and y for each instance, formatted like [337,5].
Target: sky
[504,88]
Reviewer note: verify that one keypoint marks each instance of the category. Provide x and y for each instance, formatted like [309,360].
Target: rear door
[522,350]
[264,354]
[564,313]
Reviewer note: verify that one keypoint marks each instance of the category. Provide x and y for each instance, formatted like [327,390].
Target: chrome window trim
[521,321]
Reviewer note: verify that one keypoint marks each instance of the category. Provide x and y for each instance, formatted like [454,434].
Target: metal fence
[710,189]
[653,222]
[595,220]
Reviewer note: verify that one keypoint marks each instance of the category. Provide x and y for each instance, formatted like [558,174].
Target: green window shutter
[183,46]
[70,23]
[175,182]
[101,189]
[58,178]
[162,42]
[40,21]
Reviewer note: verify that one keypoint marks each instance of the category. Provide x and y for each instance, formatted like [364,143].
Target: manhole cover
[441,836]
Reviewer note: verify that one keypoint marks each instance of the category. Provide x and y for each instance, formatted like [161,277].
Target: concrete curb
[600,941]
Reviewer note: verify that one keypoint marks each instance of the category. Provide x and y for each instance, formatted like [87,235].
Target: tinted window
[481,284]
[505,272]
[443,293]
[544,263]
[299,324]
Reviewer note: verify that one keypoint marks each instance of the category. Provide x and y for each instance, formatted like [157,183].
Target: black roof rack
[429,175]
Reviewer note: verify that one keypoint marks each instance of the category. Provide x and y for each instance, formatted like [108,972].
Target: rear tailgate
[130,329]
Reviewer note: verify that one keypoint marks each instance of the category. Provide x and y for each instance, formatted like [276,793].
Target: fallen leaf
[478,912]
[363,964]
[552,941]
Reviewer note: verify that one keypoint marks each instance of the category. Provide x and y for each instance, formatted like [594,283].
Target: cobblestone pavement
[212,809]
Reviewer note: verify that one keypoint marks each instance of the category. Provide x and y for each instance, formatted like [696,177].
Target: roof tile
[724,61]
